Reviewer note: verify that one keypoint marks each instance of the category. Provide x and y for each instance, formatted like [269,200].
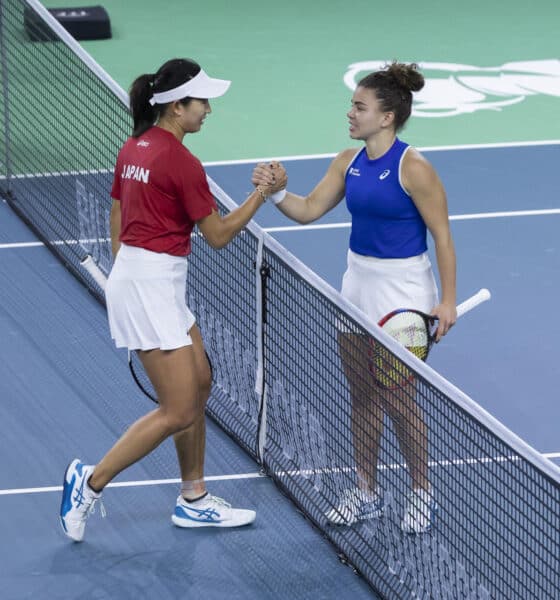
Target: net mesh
[292,360]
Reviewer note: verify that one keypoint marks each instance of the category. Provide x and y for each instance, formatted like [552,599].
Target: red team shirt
[163,192]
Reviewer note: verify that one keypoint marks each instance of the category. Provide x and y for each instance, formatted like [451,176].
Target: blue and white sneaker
[78,500]
[420,512]
[356,505]
[210,511]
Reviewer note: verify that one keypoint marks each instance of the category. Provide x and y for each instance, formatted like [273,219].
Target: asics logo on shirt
[355,172]
[385,174]
[135,172]
[143,143]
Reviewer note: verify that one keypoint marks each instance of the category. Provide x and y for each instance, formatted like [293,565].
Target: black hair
[393,87]
[170,75]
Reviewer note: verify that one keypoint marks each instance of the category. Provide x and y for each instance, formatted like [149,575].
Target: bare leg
[369,404]
[175,379]
[190,443]
[411,432]
[367,411]
[367,428]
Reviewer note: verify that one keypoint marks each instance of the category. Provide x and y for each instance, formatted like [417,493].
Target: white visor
[200,86]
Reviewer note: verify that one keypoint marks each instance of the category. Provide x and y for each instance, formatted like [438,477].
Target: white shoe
[78,500]
[356,505]
[210,511]
[420,512]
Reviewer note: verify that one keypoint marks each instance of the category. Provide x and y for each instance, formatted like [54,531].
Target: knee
[407,417]
[178,420]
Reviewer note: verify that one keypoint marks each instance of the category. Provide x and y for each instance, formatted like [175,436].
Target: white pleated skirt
[378,286]
[146,301]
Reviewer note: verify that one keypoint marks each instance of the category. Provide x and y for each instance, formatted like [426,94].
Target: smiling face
[191,116]
[366,117]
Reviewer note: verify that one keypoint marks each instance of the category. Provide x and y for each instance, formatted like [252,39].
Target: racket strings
[413,332]
[410,330]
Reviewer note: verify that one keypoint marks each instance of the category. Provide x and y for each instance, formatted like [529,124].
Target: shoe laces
[219,501]
[91,508]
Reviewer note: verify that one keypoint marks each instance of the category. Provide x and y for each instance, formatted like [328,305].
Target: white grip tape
[472,302]
[98,276]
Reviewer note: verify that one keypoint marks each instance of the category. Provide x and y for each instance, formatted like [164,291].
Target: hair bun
[407,76]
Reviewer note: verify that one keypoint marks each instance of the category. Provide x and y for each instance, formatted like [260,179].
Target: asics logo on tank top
[385,174]
[143,143]
[135,172]
[355,172]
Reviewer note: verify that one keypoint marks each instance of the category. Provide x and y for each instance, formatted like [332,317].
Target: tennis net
[277,335]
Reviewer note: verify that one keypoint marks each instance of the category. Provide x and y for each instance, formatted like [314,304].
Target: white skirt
[378,286]
[146,302]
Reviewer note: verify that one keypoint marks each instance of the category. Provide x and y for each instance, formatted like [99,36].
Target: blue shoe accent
[66,504]
[78,499]
[206,515]
[210,511]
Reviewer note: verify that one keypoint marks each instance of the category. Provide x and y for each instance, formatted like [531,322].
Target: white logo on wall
[455,89]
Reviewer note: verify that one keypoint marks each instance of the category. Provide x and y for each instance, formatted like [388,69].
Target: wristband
[277,197]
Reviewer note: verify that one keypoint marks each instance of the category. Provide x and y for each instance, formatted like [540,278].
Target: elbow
[216,241]
[217,245]
[303,219]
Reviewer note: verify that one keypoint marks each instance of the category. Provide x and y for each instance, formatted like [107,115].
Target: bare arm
[115,226]
[219,231]
[324,197]
[422,183]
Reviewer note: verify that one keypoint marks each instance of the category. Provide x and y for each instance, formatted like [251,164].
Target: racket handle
[98,276]
[472,302]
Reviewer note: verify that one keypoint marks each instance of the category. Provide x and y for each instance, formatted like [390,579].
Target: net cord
[458,397]
[509,550]
[79,51]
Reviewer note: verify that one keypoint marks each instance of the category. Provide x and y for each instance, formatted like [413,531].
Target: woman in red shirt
[160,193]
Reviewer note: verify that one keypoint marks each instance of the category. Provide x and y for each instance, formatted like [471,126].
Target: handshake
[272,177]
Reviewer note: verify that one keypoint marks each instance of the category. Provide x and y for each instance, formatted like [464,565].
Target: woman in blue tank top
[395,197]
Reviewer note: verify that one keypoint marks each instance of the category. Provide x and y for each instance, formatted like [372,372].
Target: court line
[297,157]
[466,217]
[345,225]
[246,161]
[145,482]
[260,474]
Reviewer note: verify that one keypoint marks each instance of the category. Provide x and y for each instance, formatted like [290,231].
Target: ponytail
[144,115]
[170,75]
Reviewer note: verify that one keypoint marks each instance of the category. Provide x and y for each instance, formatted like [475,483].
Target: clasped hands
[271,175]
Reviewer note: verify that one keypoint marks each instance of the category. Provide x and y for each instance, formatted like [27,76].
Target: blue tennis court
[505,212]
[67,391]
[54,361]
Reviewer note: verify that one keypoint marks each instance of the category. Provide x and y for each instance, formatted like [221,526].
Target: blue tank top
[385,220]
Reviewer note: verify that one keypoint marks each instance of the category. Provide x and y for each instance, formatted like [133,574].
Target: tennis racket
[134,363]
[416,331]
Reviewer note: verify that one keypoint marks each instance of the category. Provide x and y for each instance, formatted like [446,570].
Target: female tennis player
[160,193]
[394,196]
